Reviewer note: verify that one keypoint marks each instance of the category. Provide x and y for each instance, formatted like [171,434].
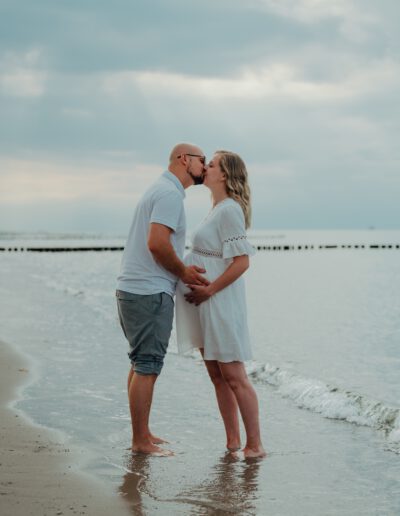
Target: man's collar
[172,177]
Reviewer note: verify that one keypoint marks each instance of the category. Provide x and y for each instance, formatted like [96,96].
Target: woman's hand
[198,294]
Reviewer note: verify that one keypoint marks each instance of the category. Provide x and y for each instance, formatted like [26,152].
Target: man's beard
[198,180]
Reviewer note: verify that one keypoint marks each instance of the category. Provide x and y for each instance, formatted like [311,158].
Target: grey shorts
[147,323]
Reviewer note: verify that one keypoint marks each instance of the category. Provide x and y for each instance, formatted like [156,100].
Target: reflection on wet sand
[230,487]
[137,471]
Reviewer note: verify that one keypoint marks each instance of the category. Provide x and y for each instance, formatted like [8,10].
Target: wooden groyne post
[296,247]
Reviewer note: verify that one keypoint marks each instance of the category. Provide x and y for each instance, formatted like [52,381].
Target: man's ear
[183,159]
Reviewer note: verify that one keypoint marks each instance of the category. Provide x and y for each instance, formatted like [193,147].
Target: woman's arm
[199,294]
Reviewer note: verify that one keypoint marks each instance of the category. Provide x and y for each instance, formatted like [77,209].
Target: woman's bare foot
[258,452]
[151,449]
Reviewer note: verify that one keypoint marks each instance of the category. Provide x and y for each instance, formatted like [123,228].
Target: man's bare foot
[252,453]
[157,440]
[153,439]
[233,446]
[151,449]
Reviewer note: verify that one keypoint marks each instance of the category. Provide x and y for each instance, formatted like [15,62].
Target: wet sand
[38,471]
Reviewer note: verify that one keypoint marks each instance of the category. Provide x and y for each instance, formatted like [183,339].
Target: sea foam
[330,401]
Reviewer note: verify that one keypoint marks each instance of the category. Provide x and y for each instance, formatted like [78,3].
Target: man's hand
[198,294]
[192,275]
[159,244]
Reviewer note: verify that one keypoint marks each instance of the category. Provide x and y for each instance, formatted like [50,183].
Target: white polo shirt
[162,203]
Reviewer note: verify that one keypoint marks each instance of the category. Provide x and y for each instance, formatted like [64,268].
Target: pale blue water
[325,326]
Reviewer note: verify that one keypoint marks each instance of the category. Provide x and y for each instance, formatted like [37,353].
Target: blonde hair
[237,186]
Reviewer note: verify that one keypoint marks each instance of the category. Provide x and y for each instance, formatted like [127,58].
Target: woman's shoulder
[229,205]
[230,208]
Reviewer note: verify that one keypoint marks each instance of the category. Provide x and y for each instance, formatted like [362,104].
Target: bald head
[187,162]
[184,148]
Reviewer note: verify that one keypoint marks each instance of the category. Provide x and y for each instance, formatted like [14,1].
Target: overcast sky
[93,94]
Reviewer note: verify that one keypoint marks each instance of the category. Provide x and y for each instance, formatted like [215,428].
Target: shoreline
[39,472]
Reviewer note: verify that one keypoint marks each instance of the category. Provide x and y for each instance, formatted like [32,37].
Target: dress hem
[224,361]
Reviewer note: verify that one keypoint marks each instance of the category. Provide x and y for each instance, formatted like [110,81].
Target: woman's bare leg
[235,375]
[227,404]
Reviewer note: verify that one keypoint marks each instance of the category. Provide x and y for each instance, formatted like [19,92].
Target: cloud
[354,18]
[309,11]
[56,196]
[93,96]
[280,80]
[20,75]
[39,181]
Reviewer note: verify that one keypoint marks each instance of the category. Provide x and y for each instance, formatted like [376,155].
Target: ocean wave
[86,296]
[330,401]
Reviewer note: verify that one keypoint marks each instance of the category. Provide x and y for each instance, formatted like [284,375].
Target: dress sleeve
[232,233]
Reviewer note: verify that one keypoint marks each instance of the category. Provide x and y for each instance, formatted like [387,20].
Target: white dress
[219,325]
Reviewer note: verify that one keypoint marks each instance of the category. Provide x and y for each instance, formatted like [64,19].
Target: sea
[324,319]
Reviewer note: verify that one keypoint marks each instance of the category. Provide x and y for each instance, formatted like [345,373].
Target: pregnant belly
[214,267]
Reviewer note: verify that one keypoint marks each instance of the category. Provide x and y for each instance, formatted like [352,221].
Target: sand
[38,471]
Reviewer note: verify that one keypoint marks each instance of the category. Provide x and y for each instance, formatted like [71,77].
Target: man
[151,265]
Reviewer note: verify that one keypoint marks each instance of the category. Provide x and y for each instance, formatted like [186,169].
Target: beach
[331,449]
[39,472]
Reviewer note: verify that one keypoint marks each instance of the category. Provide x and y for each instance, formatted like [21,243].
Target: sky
[94,94]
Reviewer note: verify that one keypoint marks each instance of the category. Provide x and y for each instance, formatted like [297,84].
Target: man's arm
[159,244]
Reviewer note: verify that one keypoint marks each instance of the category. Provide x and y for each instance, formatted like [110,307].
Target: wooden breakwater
[283,247]
[306,247]
[60,249]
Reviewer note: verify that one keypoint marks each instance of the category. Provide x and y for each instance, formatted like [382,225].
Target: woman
[213,318]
